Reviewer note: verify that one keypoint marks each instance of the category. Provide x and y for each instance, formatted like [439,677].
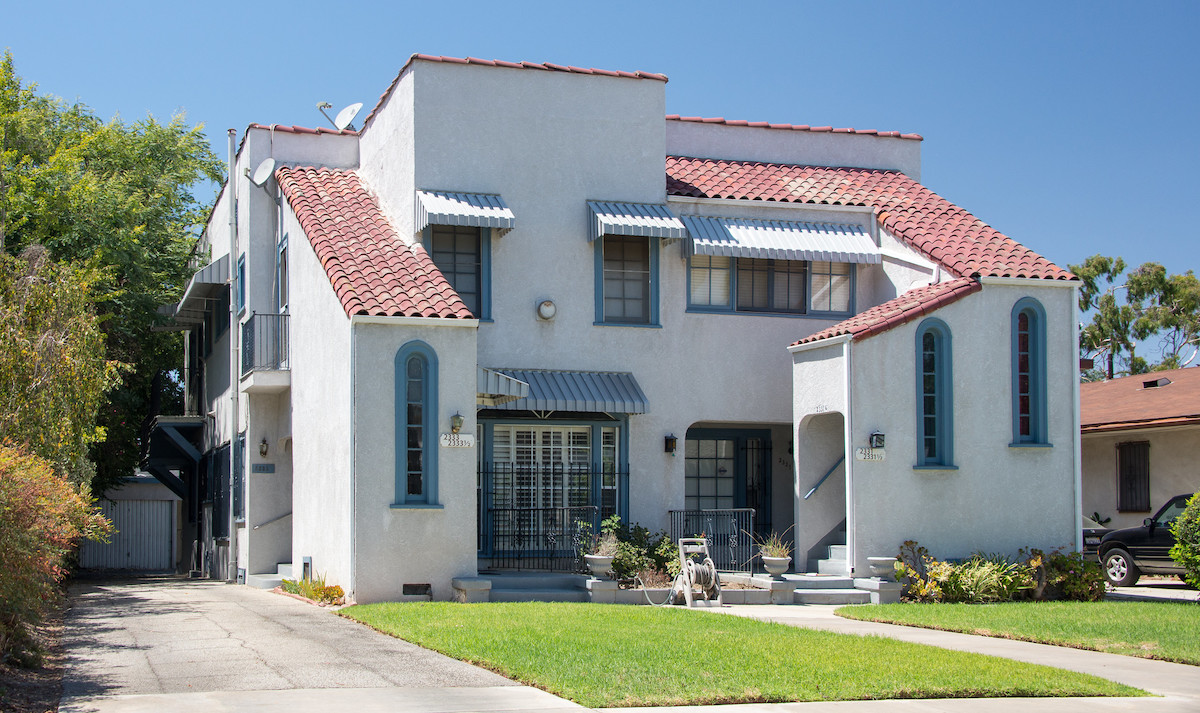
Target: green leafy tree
[118,197]
[1128,309]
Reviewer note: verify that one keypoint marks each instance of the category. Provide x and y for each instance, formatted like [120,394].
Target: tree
[115,196]
[1124,313]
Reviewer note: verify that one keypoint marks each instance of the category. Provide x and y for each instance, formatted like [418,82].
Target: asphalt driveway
[178,644]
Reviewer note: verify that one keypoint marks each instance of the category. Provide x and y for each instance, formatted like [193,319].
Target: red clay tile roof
[1125,403]
[792,127]
[937,228]
[302,129]
[371,269]
[905,308]
[511,65]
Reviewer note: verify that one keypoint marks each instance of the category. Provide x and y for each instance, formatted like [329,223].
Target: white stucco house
[521,297]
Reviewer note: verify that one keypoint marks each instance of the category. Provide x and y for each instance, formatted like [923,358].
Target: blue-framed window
[1029,373]
[281,275]
[416,425]
[464,256]
[627,281]
[768,286]
[241,284]
[935,399]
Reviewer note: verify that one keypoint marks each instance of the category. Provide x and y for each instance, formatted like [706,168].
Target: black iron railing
[728,533]
[552,539]
[265,343]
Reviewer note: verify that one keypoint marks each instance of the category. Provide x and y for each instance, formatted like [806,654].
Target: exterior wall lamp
[669,444]
[263,447]
[456,422]
[875,440]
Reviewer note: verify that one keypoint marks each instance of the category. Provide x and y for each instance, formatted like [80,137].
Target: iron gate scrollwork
[729,533]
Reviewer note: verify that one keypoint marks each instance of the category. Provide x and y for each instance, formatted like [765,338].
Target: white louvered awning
[780,240]
[493,388]
[587,391]
[477,210]
[639,220]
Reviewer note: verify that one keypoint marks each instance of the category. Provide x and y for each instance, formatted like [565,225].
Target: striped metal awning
[206,285]
[477,210]
[588,391]
[780,240]
[639,220]
[493,388]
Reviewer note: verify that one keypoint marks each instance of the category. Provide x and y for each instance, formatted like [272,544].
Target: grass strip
[1169,631]
[612,655]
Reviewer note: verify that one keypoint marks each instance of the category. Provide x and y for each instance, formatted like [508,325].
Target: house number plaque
[457,440]
[865,453]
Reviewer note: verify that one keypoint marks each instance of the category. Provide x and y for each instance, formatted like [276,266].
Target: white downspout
[352,590]
[235,335]
[849,459]
[1077,446]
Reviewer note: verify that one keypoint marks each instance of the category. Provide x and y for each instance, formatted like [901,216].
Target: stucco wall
[1173,470]
[395,546]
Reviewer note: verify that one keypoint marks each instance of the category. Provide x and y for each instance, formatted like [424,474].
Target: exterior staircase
[537,587]
[270,581]
[828,580]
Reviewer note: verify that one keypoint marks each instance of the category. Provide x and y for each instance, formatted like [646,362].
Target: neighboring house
[1141,443]
[519,298]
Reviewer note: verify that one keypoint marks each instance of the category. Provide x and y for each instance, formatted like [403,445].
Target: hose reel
[696,569]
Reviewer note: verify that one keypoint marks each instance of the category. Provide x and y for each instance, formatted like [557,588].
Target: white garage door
[142,541]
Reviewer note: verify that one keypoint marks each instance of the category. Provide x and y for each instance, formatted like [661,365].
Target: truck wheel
[1120,569]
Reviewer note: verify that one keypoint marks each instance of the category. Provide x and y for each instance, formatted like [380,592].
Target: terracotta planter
[775,566]
[600,565]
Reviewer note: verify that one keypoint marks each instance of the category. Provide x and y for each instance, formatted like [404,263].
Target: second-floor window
[462,254]
[726,284]
[935,405]
[626,281]
[1029,373]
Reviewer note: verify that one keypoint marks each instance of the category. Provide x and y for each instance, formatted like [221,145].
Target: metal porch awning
[586,391]
[493,388]
[206,284]
[639,220]
[780,240]
[473,210]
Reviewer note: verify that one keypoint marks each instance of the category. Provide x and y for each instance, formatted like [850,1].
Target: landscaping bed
[36,689]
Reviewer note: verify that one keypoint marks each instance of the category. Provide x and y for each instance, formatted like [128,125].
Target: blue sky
[1074,127]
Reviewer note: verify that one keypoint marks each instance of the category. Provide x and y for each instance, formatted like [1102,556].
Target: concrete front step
[819,581]
[264,581]
[839,567]
[529,594]
[534,580]
[836,552]
[831,596]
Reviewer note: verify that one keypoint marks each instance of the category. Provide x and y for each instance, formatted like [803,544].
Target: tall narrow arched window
[416,425]
[935,402]
[1029,373]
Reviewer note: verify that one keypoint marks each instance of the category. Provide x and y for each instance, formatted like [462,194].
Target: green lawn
[1155,630]
[611,655]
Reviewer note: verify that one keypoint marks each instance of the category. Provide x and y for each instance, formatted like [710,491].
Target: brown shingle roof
[1126,403]
[937,228]
[371,269]
[905,308]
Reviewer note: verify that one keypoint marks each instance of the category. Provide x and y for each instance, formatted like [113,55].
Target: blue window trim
[740,436]
[281,273]
[241,285]
[944,383]
[429,413]
[808,310]
[485,268]
[599,286]
[1038,436]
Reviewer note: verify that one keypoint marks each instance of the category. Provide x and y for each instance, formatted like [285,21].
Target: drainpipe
[1077,446]
[849,460]
[235,336]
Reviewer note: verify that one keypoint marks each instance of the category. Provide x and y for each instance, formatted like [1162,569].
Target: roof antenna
[344,117]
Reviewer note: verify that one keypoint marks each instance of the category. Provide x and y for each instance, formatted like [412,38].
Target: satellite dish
[345,116]
[262,174]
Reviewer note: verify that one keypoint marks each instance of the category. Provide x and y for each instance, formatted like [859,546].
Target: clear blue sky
[1073,127]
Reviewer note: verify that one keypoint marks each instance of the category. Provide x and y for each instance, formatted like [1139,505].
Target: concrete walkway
[179,645]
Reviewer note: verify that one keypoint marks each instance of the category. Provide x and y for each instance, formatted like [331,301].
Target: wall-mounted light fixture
[669,444]
[263,447]
[546,310]
[456,423]
[875,440]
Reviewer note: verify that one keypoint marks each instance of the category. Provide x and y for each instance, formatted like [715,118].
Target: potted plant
[600,558]
[775,551]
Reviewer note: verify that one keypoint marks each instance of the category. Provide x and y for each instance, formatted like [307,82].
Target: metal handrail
[823,477]
[274,519]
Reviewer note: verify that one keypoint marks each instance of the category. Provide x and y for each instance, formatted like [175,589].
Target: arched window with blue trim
[935,402]
[416,419]
[1029,373]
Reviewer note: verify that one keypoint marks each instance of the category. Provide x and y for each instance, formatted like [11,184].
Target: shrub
[314,589]
[42,517]
[1066,576]
[1186,550]
[996,578]
[638,549]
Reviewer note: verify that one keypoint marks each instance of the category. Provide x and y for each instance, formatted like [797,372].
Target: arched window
[935,403]
[416,419]
[1029,373]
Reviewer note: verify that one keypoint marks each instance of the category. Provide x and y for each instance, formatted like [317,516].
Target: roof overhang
[205,285]
[473,210]
[638,220]
[585,391]
[493,388]
[781,240]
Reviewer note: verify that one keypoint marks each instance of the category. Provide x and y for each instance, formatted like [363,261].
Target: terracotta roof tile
[1126,403]
[373,271]
[791,127]
[301,130]
[905,308]
[933,225]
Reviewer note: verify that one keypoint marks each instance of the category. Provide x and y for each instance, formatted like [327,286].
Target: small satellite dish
[262,174]
[345,116]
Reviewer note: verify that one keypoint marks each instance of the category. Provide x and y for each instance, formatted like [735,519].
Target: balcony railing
[728,533]
[265,343]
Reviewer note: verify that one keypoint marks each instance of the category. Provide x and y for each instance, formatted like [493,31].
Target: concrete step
[831,596]
[839,567]
[529,594]
[819,581]
[263,581]
[836,552]
[284,569]
[534,580]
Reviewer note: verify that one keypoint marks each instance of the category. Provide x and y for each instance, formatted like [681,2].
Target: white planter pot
[884,567]
[775,566]
[600,565]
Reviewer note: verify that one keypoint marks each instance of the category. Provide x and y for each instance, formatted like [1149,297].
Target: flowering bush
[1068,575]
[996,578]
[314,589]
